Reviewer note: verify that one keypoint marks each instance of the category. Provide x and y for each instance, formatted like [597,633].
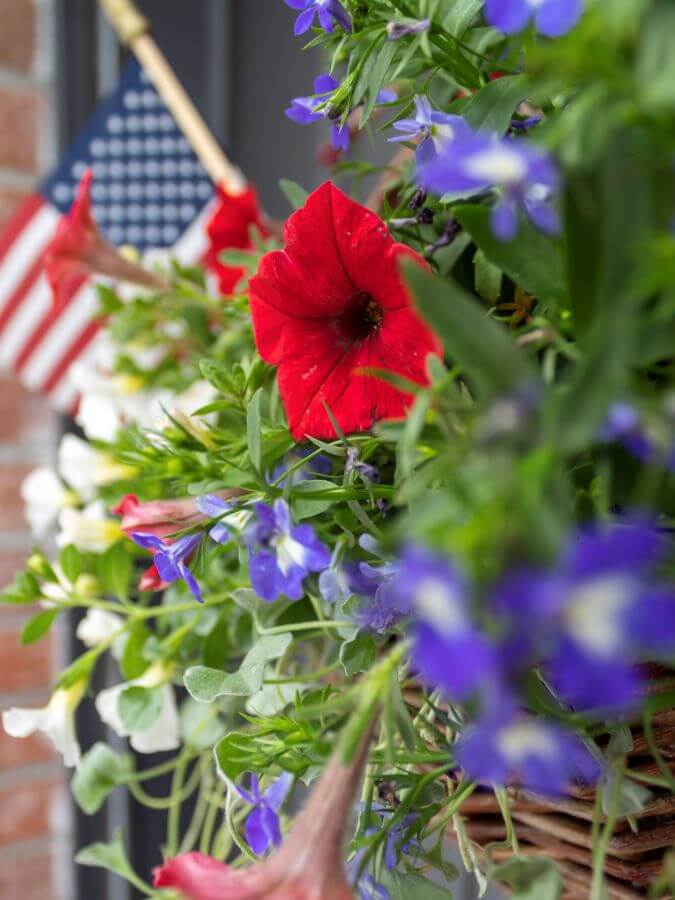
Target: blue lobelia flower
[552,18]
[330,13]
[367,473]
[598,614]
[433,129]
[281,554]
[380,607]
[506,746]
[262,825]
[170,558]
[525,176]
[625,425]
[448,650]
[305,110]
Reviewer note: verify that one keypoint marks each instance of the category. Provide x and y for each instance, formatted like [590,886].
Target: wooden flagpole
[133,30]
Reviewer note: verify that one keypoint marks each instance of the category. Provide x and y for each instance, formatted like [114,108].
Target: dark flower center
[363,317]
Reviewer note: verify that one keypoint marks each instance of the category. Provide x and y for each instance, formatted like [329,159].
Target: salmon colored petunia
[334,302]
[78,250]
[230,229]
[309,865]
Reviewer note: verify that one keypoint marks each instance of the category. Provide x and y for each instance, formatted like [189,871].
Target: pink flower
[309,865]
[78,250]
[163,517]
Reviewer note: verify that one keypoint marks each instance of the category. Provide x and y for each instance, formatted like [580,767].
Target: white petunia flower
[98,626]
[56,721]
[88,529]
[163,734]
[85,468]
[45,496]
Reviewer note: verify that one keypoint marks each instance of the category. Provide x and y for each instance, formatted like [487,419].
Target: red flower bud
[162,517]
[309,865]
[230,229]
[78,250]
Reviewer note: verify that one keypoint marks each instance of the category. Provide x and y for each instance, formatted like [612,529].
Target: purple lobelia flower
[303,111]
[552,18]
[380,606]
[506,746]
[170,557]
[448,650]
[330,13]
[626,426]
[262,825]
[598,614]
[281,554]
[214,507]
[366,472]
[367,887]
[434,130]
[404,27]
[342,580]
[525,176]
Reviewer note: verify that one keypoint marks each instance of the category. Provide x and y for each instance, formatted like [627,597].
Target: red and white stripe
[39,341]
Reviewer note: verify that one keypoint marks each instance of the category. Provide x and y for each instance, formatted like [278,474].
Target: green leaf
[139,707]
[655,70]
[409,886]
[358,654]
[253,431]
[115,569]
[235,753]
[461,16]
[305,509]
[485,351]
[99,773]
[198,726]
[71,562]
[377,78]
[132,662]
[22,591]
[531,260]
[110,856]
[38,626]
[295,194]
[206,684]
[488,278]
[530,879]
[492,108]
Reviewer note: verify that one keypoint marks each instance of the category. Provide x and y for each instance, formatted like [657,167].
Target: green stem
[173,823]
[601,845]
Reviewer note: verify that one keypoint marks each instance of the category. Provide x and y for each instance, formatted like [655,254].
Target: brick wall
[32,800]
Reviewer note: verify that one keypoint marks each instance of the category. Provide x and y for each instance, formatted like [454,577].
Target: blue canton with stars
[148,185]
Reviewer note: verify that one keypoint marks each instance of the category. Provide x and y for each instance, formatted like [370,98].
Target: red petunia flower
[78,250]
[332,302]
[230,229]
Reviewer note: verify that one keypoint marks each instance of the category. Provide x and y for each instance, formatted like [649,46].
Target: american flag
[149,190]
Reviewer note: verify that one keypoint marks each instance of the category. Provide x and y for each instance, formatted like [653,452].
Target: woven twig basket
[560,829]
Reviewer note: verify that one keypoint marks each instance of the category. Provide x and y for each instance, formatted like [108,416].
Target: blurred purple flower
[170,557]
[262,825]
[330,13]
[552,18]
[508,747]
[367,472]
[214,507]
[625,426]
[448,650]
[434,130]
[404,27]
[318,465]
[597,615]
[281,554]
[526,177]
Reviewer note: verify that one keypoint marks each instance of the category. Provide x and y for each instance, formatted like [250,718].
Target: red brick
[25,811]
[17,34]
[11,504]
[10,200]
[27,877]
[20,120]
[24,416]
[30,751]
[23,668]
